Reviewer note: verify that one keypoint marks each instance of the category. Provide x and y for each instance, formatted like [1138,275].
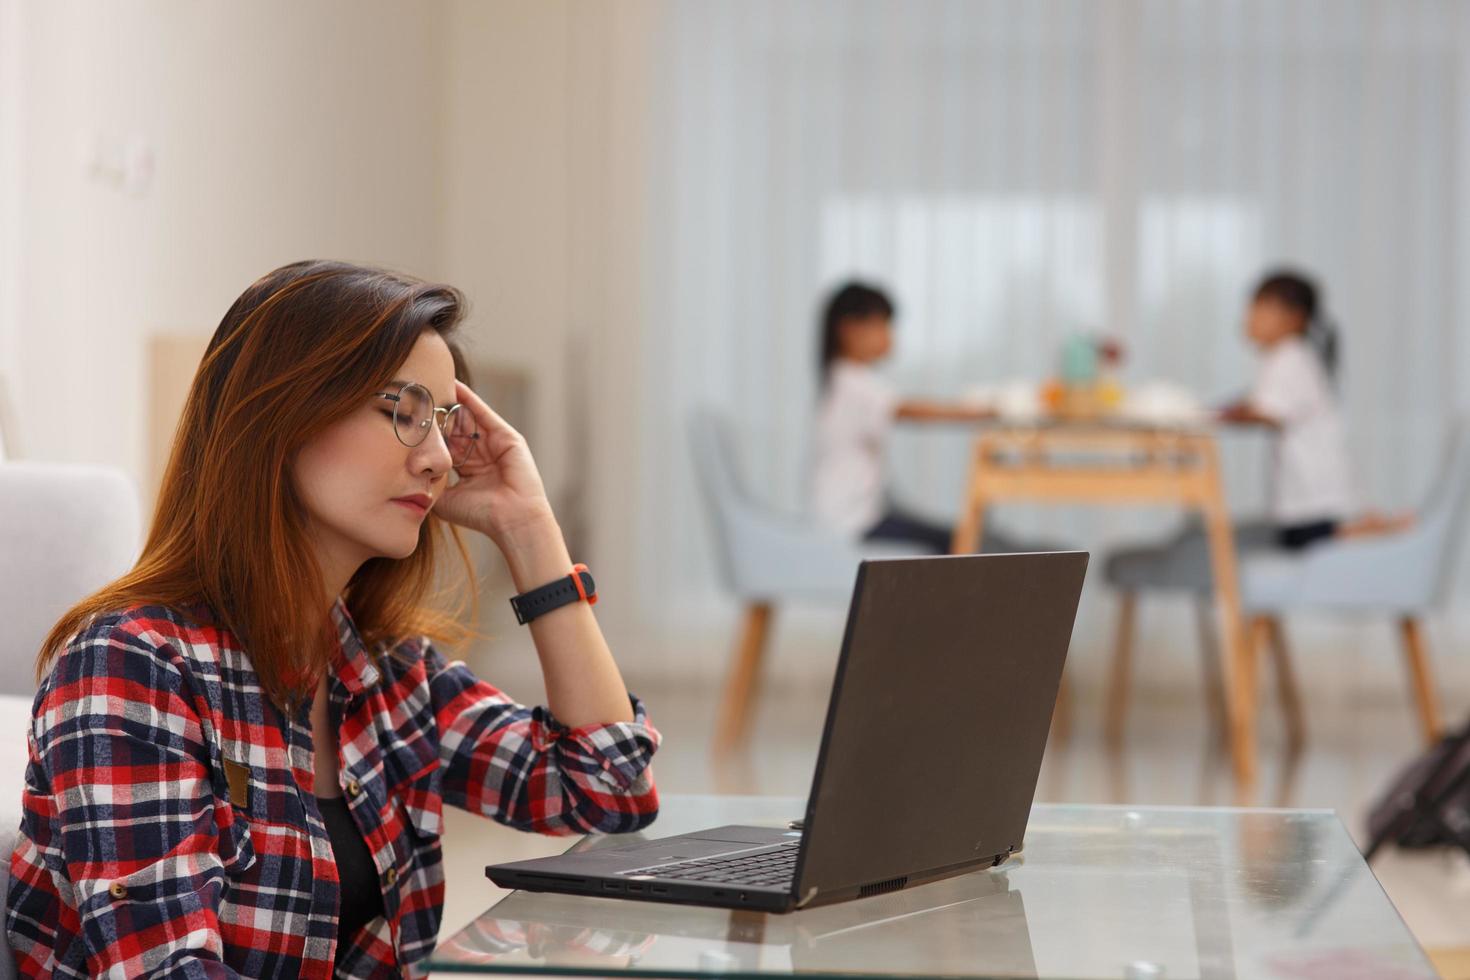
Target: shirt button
[118,890]
[392,876]
[353,787]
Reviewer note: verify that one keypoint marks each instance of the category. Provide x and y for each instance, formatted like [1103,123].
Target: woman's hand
[499,492]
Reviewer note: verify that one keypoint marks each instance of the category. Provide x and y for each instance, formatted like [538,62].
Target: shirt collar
[355,669]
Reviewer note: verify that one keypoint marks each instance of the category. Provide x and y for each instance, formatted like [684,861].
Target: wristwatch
[578,586]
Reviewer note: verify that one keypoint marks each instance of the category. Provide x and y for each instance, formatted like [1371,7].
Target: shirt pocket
[422,804]
[418,805]
[411,776]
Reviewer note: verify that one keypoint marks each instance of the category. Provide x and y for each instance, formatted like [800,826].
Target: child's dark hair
[1298,292]
[853,301]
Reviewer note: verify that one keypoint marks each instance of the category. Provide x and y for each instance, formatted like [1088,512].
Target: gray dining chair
[766,557]
[763,557]
[1179,565]
[1403,575]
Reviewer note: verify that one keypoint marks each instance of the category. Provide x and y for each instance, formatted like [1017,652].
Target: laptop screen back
[939,715]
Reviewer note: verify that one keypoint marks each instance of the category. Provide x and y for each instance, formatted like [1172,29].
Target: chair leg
[1209,649]
[1243,725]
[1417,655]
[1117,708]
[744,671]
[1286,686]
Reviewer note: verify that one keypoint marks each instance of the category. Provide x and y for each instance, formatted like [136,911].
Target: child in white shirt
[1311,487]
[855,415]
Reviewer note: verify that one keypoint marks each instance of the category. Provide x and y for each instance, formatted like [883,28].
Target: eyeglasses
[414,412]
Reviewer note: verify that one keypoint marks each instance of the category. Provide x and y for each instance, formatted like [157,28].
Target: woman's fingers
[498,482]
[486,418]
[496,434]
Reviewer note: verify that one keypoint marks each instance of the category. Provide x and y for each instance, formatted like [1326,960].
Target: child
[1311,492]
[854,417]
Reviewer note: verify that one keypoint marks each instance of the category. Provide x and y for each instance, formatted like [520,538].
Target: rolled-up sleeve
[121,815]
[520,766]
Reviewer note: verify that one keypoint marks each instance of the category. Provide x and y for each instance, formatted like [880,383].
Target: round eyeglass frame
[441,416]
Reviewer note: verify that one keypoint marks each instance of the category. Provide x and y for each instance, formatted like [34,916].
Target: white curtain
[1018,171]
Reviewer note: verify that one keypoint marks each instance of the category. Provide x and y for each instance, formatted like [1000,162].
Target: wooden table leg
[971,525]
[1240,708]
[1117,710]
[969,532]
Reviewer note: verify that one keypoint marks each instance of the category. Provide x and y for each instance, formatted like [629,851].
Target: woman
[241,749]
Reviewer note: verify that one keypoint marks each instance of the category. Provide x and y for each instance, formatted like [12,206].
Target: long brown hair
[299,350]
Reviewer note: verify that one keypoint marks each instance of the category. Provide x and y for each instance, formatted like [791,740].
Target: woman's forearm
[583,684]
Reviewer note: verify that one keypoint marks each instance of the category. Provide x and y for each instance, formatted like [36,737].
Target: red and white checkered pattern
[134,860]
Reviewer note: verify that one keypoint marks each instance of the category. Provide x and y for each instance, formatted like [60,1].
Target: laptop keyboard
[771,867]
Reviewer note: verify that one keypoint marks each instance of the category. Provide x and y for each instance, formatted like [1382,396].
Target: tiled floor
[1355,743]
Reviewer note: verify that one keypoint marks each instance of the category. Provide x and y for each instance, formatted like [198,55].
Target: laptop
[935,730]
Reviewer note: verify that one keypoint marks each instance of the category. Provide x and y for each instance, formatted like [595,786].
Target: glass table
[1100,891]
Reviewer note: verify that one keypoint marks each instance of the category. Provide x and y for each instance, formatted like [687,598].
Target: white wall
[493,145]
[504,224]
[546,190]
[12,124]
[279,131]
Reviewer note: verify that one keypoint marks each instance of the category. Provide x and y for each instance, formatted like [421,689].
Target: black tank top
[357,876]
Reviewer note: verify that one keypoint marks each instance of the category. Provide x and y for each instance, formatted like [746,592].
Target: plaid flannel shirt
[170,826]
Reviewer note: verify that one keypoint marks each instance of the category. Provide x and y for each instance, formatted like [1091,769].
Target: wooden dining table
[1107,462]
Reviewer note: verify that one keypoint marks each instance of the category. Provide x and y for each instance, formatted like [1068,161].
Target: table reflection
[974,917]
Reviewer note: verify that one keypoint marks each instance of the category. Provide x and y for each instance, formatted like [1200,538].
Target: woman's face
[366,493]
[1269,320]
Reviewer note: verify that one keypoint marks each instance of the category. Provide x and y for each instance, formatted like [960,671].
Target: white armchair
[65,531]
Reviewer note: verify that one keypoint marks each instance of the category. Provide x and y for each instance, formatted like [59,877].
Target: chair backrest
[764,554]
[1441,521]
[65,531]
[713,445]
[1404,573]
